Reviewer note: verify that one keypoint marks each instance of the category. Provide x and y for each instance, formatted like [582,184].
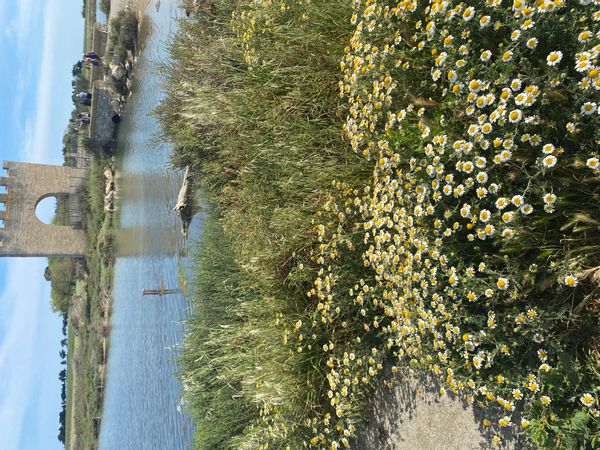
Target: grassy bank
[266,147]
[88,310]
[82,287]
[390,186]
[69,419]
[89,16]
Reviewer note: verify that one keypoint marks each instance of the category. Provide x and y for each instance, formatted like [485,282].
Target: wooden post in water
[161,291]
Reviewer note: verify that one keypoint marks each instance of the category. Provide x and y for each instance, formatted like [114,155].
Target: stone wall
[99,42]
[22,233]
[102,129]
[100,39]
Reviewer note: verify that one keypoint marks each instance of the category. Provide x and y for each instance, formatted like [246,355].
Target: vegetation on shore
[81,287]
[81,292]
[412,185]
[265,145]
[121,46]
[89,314]
[105,7]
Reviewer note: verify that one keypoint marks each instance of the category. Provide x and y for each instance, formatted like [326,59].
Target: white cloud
[19,99]
[39,128]
[20,27]
[20,313]
[3,15]
[10,29]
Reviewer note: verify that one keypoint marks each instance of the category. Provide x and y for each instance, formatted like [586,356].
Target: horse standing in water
[184,208]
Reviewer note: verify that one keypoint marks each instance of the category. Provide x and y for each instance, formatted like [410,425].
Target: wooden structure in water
[161,291]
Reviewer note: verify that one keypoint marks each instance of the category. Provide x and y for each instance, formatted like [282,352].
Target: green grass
[219,314]
[86,319]
[182,278]
[89,24]
[265,147]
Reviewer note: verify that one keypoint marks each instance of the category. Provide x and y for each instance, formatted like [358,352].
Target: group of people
[84,118]
[92,59]
[85,98]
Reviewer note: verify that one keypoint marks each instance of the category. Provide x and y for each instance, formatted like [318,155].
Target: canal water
[142,405]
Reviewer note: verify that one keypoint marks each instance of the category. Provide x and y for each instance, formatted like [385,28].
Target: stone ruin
[25,186]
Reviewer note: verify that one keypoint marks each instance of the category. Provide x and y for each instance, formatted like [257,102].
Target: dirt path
[412,415]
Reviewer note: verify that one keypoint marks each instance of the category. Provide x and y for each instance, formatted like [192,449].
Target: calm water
[142,395]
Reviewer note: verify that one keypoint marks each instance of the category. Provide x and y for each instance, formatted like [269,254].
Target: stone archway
[23,234]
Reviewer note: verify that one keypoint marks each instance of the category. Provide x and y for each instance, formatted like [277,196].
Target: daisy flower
[526,209]
[502,202]
[570,280]
[502,283]
[504,422]
[549,161]
[468,14]
[515,116]
[507,56]
[587,399]
[584,36]
[554,58]
[531,43]
[588,108]
[517,394]
[508,234]
[548,149]
[517,200]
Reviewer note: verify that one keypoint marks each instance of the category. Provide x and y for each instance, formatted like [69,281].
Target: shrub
[105,6]
[123,35]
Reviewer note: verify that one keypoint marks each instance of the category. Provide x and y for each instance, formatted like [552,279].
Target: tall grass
[265,145]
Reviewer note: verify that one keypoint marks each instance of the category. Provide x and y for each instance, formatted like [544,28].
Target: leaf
[578,422]
[580,218]
[568,366]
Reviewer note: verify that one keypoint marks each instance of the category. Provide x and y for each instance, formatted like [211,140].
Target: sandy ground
[413,416]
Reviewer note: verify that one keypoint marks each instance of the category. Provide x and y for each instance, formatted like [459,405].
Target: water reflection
[147,187]
[147,241]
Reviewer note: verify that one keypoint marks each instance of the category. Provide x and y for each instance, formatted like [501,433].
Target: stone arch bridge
[26,185]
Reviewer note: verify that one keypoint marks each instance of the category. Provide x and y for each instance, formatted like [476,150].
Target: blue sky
[40,40]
